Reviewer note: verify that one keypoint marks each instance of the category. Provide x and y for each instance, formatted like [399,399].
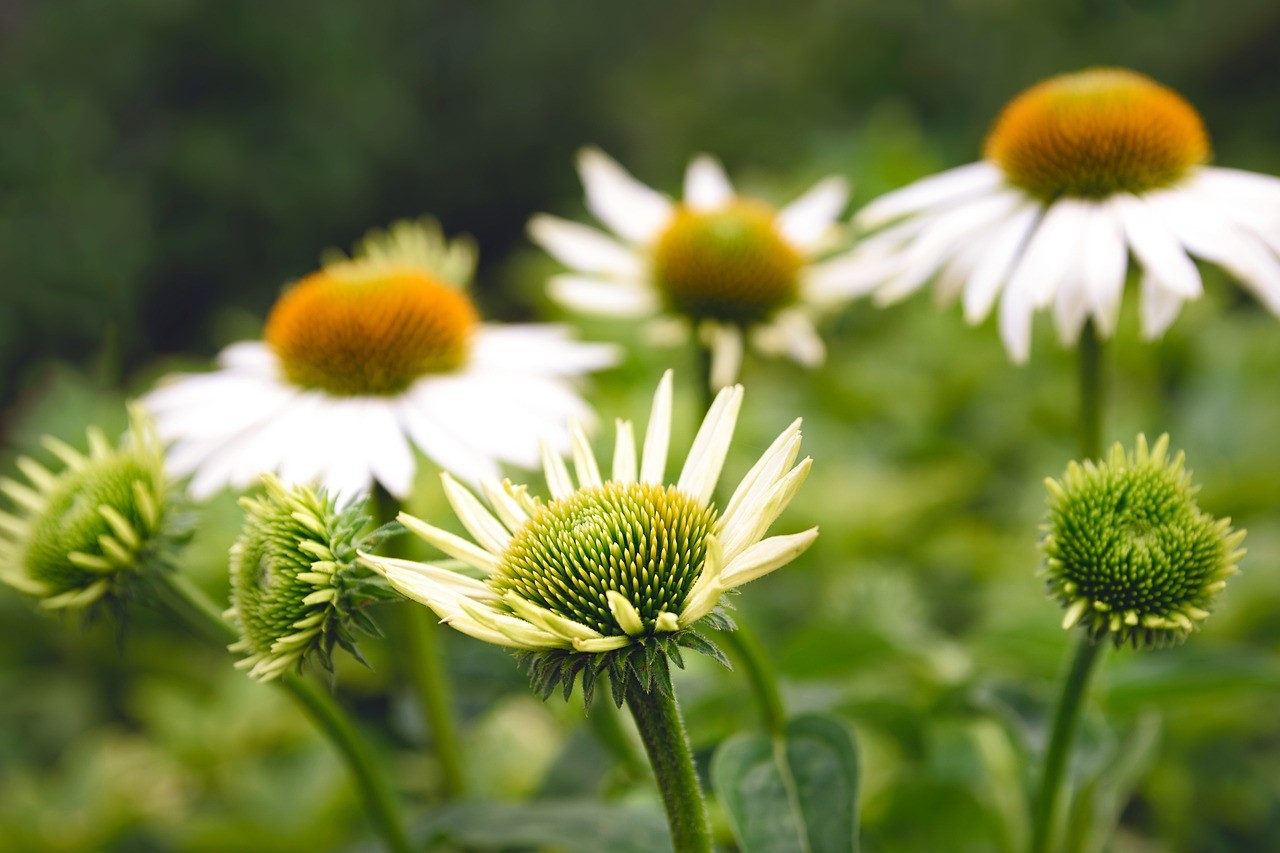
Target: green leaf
[796,793]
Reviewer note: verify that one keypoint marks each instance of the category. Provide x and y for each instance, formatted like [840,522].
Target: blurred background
[167,165]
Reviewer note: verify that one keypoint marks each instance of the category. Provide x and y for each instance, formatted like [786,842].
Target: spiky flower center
[350,334]
[1130,552]
[1095,133]
[729,264]
[74,522]
[644,541]
[273,576]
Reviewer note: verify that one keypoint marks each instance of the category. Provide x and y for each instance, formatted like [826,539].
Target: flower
[727,264]
[1079,171]
[1129,553]
[623,566]
[296,589]
[365,358]
[85,535]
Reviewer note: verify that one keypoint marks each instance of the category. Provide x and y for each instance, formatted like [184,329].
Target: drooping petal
[937,190]
[765,556]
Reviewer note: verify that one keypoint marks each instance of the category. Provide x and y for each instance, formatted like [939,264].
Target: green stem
[193,605]
[658,719]
[750,655]
[745,649]
[429,674]
[1087,654]
[1091,392]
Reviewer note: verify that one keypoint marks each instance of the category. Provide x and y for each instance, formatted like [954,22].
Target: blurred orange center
[1095,133]
[729,264]
[369,334]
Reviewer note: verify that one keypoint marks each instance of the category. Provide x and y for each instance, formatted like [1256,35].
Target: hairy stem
[658,719]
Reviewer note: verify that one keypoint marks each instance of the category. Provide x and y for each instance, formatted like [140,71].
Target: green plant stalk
[746,651]
[427,669]
[1065,720]
[194,606]
[1091,392]
[658,718]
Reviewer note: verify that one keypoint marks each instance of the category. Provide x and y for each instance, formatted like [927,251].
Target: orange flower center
[729,264]
[352,333]
[1096,133]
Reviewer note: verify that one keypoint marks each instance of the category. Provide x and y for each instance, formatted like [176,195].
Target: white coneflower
[365,359]
[622,563]
[1079,171]
[725,264]
[88,533]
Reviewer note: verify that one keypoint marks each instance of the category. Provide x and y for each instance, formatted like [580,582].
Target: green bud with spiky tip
[84,536]
[296,590]
[1128,551]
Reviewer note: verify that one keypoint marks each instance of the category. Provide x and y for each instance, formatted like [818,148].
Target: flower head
[1079,171]
[1128,551]
[86,534]
[611,573]
[296,589]
[726,264]
[366,358]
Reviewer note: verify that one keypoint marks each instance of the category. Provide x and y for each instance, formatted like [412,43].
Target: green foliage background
[166,165]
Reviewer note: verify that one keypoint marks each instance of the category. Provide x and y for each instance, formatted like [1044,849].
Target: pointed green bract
[296,590]
[1128,551]
[84,535]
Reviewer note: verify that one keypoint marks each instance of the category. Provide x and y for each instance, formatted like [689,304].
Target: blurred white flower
[366,358]
[725,264]
[1079,171]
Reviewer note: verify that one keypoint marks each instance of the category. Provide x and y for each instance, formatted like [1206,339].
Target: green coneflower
[83,536]
[296,590]
[1129,553]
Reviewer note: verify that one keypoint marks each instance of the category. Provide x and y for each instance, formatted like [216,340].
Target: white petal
[707,589]
[747,527]
[1160,306]
[706,186]
[583,248]
[389,456]
[252,356]
[624,454]
[542,349]
[1105,260]
[1205,233]
[628,207]
[657,435]
[450,582]
[1050,252]
[790,333]
[549,621]
[507,508]
[806,222]
[946,234]
[1016,310]
[765,556]
[553,468]
[711,445]
[625,613]
[751,495]
[937,190]
[603,297]
[1246,186]
[451,544]
[431,430]
[1155,246]
[725,342]
[991,273]
[486,529]
[1071,303]
[584,461]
